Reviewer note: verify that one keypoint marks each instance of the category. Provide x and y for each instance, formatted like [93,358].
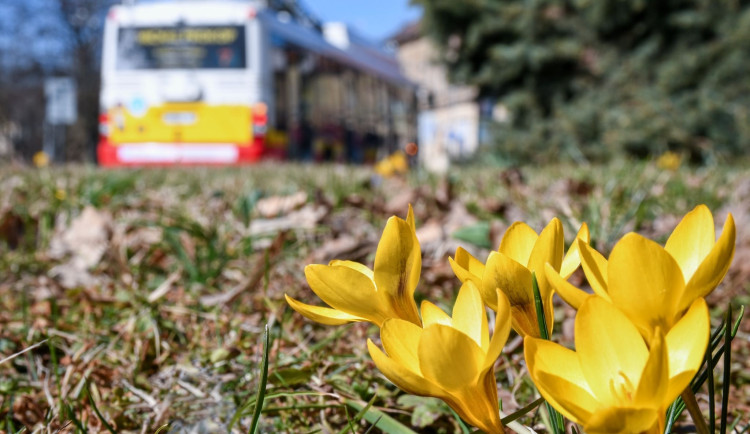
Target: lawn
[136,300]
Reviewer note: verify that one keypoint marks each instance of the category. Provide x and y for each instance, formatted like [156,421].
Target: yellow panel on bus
[182,123]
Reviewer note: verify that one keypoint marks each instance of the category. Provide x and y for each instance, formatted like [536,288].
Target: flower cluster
[521,253]
[640,337]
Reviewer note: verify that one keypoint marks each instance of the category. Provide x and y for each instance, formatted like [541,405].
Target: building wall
[420,63]
[453,129]
[448,121]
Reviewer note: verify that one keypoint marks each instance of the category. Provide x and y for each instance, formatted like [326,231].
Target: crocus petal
[467,267]
[713,268]
[518,242]
[559,378]
[572,258]
[323,315]
[645,282]
[469,315]
[609,347]
[347,290]
[478,404]
[523,320]
[502,330]
[515,281]
[410,219]
[354,266]
[687,342]
[449,357]
[594,265]
[398,262]
[400,340]
[511,277]
[566,290]
[432,314]
[611,420]
[692,239]
[654,381]
[549,248]
[405,379]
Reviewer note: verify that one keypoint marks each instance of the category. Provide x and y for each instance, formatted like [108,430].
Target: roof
[341,45]
[409,32]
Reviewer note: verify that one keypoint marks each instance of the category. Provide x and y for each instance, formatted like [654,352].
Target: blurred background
[140,296]
[505,81]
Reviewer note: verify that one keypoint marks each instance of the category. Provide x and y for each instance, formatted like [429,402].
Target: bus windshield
[195,47]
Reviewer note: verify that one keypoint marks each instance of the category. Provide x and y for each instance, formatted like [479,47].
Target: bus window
[204,47]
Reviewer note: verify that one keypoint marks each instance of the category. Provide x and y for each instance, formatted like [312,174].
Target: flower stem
[711,393]
[727,371]
[695,412]
[556,419]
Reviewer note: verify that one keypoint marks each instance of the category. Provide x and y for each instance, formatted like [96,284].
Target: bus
[233,81]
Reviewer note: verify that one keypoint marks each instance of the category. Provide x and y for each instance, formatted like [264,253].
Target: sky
[376,19]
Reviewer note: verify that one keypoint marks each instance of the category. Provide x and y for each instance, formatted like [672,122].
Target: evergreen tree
[589,78]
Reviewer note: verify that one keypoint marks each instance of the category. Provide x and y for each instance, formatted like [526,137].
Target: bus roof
[187,12]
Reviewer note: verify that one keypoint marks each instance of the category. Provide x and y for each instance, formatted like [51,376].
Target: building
[449,114]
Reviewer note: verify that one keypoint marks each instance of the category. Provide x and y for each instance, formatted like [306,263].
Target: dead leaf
[83,244]
[398,204]
[85,240]
[279,205]
[304,218]
[165,286]
[28,412]
[70,276]
[343,247]
[430,232]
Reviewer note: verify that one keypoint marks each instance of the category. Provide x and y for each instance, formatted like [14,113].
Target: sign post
[61,109]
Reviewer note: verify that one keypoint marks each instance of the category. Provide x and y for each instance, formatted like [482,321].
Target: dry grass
[148,290]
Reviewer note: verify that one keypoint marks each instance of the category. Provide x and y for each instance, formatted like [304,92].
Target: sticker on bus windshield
[137,107]
[198,47]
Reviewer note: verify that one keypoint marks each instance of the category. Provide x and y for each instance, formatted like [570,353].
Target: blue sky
[376,19]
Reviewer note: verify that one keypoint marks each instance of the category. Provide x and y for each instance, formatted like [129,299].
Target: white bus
[228,82]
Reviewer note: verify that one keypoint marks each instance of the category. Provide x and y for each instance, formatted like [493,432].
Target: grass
[168,332]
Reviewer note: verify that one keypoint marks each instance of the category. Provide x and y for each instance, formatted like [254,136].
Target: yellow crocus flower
[613,382]
[669,161]
[393,164]
[40,159]
[451,358]
[654,285]
[522,252]
[356,293]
